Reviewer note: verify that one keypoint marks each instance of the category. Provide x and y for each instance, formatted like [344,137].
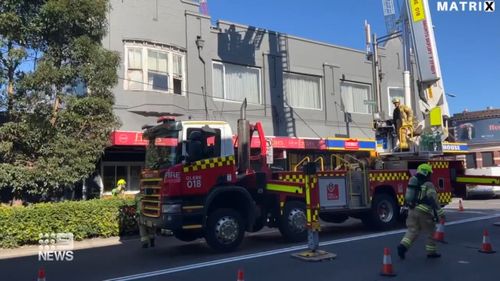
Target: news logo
[465,6]
[55,246]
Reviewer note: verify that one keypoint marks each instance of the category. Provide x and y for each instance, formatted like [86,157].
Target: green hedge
[85,219]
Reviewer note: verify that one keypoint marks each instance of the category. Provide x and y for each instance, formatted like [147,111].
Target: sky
[468,42]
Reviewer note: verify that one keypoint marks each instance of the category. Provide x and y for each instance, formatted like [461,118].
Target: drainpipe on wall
[199,44]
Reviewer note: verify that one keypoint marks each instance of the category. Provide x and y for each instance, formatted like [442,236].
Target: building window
[134,69]
[354,97]
[236,82]
[177,73]
[113,171]
[487,159]
[470,160]
[153,67]
[157,70]
[302,91]
[395,93]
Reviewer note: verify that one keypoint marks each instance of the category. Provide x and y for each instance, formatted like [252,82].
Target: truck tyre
[293,222]
[186,236]
[224,230]
[384,212]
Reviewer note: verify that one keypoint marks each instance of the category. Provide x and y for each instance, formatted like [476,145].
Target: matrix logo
[466,6]
[55,247]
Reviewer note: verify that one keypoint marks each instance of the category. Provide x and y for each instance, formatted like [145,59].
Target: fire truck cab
[193,187]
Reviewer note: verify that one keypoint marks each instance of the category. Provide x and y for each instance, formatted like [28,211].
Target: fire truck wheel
[225,230]
[384,213]
[293,222]
[186,236]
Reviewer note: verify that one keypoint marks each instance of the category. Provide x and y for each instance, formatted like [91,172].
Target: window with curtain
[354,97]
[154,67]
[395,93]
[302,91]
[177,63]
[157,70]
[134,69]
[236,82]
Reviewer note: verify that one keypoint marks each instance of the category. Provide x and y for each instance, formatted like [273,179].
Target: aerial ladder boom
[422,79]
[431,100]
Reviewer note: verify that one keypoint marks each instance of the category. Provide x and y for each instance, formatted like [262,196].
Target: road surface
[265,256]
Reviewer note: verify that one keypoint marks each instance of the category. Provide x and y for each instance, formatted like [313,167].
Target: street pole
[199,44]
[375,70]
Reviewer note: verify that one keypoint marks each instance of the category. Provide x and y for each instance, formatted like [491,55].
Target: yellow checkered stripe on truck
[300,178]
[440,165]
[401,199]
[444,198]
[389,176]
[292,178]
[209,163]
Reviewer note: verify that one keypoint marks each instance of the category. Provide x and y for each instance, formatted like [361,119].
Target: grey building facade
[176,62]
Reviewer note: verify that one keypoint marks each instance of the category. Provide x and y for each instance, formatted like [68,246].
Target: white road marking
[278,251]
[466,212]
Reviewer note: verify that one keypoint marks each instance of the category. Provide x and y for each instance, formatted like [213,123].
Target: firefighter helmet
[396,100]
[121,182]
[424,169]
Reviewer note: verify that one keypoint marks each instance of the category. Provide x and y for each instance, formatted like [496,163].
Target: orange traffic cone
[486,246]
[439,233]
[41,274]
[460,206]
[240,275]
[387,264]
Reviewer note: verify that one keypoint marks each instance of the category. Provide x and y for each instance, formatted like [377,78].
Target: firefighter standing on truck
[402,115]
[147,234]
[424,211]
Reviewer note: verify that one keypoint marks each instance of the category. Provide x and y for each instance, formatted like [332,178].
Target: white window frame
[170,67]
[369,96]
[319,87]
[224,83]
[389,99]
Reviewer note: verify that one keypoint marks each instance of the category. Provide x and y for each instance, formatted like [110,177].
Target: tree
[56,91]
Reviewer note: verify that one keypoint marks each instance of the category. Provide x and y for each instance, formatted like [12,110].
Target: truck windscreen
[161,154]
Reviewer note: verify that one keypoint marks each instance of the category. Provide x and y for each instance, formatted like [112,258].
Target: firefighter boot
[402,251]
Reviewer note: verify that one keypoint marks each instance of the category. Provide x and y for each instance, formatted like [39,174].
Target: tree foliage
[55,93]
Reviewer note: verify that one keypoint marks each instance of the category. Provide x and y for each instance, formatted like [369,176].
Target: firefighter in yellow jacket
[424,211]
[121,185]
[147,234]
[402,115]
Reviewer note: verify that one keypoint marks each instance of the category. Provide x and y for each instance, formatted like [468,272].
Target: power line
[302,119]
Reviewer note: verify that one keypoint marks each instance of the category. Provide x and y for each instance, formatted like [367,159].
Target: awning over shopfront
[130,138]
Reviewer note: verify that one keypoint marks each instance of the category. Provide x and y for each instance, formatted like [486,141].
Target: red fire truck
[207,185]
